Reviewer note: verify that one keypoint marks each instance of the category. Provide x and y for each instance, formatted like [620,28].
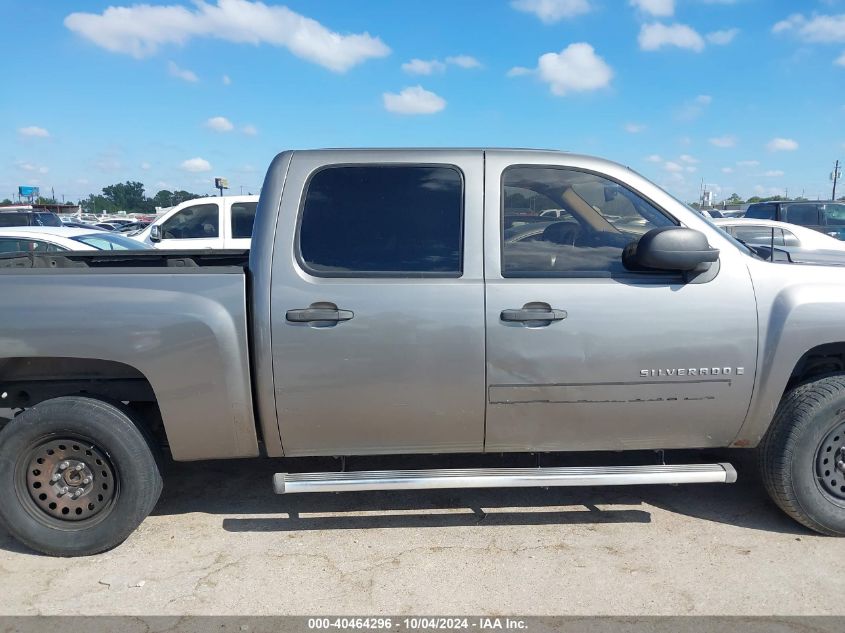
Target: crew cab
[420,301]
[218,222]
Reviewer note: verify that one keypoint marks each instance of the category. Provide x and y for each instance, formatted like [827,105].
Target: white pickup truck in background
[219,222]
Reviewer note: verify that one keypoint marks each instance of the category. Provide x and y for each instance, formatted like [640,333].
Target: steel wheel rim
[830,464]
[67,481]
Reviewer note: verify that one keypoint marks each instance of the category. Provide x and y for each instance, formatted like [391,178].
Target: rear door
[583,354]
[804,214]
[238,225]
[377,303]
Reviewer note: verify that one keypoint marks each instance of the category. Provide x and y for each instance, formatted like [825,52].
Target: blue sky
[748,95]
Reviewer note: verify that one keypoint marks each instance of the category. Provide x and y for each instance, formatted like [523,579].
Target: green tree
[734,199]
[6,201]
[128,196]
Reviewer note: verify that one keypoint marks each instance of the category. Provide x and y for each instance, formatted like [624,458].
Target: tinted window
[404,220]
[758,234]
[47,219]
[198,221]
[597,218]
[762,212]
[789,239]
[243,217]
[26,245]
[803,214]
[15,219]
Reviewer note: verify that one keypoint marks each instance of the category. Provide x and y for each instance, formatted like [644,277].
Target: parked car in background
[39,239]
[824,216]
[770,232]
[214,222]
[29,218]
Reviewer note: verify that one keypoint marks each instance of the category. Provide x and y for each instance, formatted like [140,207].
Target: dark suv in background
[29,218]
[825,217]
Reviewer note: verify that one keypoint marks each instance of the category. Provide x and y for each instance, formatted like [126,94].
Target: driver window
[198,221]
[564,223]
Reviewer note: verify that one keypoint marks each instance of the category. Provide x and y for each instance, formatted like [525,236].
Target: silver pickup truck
[420,302]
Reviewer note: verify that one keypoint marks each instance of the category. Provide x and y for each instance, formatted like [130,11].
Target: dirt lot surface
[220,542]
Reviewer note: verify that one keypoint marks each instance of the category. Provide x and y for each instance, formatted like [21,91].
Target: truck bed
[178,318]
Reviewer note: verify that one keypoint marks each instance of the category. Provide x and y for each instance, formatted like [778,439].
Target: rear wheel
[802,457]
[83,475]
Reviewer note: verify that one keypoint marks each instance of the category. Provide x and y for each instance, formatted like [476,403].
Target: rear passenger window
[24,245]
[372,220]
[567,223]
[759,235]
[243,217]
[762,212]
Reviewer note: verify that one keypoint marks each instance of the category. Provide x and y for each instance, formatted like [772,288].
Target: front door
[193,227]
[583,354]
[377,303]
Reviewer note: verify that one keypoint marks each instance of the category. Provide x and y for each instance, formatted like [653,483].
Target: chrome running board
[285,483]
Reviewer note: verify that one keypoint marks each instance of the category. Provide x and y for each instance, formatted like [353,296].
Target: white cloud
[654,158]
[576,68]
[550,11]
[145,166]
[423,67]
[723,141]
[748,163]
[655,36]
[693,109]
[181,73]
[227,81]
[634,128]
[671,166]
[689,159]
[774,173]
[219,124]
[727,170]
[33,131]
[825,29]
[140,30]
[520,71]
[782,145]
[431,66]
[840,61]
[31,168]
[463,61]
[250,130]
[196,165]
[723,37]
[659,8]
[413,100]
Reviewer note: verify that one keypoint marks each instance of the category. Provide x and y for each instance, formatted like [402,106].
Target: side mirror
[155,233]
[672,248]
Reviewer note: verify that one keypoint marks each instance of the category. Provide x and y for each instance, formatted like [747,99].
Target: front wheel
[83,475]
[802,457]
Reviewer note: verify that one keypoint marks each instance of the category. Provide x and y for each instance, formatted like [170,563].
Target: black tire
[106,445]
[799,455]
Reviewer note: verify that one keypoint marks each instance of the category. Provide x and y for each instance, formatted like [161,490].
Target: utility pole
[836,175]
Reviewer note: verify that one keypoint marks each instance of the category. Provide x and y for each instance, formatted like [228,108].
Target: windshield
[110,242]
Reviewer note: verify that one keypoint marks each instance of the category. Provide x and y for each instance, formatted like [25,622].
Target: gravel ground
[220,542]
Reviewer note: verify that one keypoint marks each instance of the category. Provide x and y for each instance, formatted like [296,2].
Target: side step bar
[285,483]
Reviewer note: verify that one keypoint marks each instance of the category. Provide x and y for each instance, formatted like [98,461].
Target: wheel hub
[830,463]
[70,479]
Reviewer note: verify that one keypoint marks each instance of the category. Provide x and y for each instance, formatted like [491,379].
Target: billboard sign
[27,191]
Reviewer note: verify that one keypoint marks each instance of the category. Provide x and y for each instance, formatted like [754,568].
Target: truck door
[583,354]
[194,226]
[377,303]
